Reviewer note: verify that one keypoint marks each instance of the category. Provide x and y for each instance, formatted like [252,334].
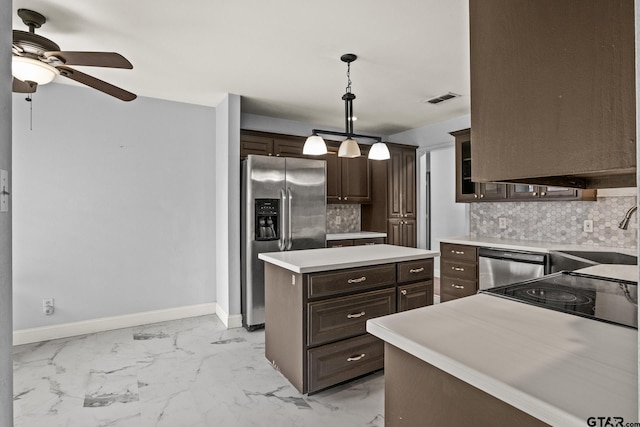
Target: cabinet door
[252,144]
[415,295]
[289,148]
[334,175]
[409,233]
[524,191]
[394,232]
[465,188]
[492,191]
[558,193]
[356,179]
[409,183]
[395,183]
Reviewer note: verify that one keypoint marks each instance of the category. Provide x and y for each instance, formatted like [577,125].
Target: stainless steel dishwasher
[505,266]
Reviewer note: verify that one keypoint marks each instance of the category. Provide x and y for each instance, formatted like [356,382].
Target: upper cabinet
[553,92]
[348,180]
[469,191]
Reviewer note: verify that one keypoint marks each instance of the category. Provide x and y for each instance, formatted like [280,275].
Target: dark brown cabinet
[393,200]
[348,180]
[469,191]
[553,99]
[458,271]
[316,323]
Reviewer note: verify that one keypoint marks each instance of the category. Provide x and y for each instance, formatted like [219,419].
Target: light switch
[4,191]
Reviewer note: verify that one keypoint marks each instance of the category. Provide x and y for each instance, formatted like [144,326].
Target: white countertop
[614,271]
[312,260]
[557,367]
[529,245]
[355,235]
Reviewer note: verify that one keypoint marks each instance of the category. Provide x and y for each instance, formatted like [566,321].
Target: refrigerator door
[306,208]
[262,178]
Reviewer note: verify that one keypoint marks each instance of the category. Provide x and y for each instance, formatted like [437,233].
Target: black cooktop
[608,300]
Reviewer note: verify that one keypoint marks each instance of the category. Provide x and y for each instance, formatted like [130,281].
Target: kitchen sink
[574,260]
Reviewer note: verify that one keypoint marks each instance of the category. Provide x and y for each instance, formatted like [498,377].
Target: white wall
[114,205]
[6,365]
[227,173]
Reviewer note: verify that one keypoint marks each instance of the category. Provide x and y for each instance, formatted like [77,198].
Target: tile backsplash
[343,218]
[560,222]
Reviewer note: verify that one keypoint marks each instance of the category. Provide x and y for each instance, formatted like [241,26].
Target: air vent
[441,98]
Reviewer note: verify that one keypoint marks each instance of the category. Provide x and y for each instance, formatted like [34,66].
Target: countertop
[313,260]
[557,367]
[529,245]
[355,235]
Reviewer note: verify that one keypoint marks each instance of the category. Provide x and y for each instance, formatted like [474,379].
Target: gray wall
[114,205]
[6,338]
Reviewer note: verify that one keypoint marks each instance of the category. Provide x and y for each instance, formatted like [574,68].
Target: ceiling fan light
[314,146]
[379,151]
[349,148]
[29,69]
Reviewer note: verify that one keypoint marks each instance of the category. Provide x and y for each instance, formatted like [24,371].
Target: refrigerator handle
[282,242]
[289,215]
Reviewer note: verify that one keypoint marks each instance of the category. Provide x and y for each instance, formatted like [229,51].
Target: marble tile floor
[185,373]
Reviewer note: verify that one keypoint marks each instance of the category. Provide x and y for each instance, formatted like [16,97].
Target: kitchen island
[486,360]
[317,303]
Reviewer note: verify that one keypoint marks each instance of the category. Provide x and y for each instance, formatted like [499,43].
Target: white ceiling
[281,56]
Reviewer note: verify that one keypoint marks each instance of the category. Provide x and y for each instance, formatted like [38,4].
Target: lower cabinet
[458,271]
[402,232]
[315,327]
[354,242]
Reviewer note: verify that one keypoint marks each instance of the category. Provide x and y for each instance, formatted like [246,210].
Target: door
[306,204]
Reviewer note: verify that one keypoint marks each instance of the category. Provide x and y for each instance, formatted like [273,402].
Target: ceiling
[281,56]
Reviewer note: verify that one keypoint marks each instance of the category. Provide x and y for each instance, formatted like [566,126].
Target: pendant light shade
[349,148]
[379,151]
[314,146]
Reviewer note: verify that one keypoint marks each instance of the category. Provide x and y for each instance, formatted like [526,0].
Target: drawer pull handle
[355,316]
[457,286]
[403,292]
[416,270]
[358,280]
[355,358]
[457,252]
[457,268]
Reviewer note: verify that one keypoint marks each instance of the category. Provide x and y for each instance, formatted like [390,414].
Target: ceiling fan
[38,60]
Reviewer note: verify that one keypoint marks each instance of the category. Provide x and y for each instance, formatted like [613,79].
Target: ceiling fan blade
[95,83]
[24,87]
[92,59]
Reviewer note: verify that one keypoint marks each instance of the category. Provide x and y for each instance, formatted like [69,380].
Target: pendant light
[315,145]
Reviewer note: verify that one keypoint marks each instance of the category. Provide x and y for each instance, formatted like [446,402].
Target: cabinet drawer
[334,363]
[415,295]
[372,241]
[457,269]
[346,317]
[451,288]
[459,252]
[353,279]
[412,271]
[339,243]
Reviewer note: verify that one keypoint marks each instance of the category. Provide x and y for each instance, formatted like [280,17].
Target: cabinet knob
[535,193]
[475,195]
[345,198]
[278,155]
[543,194]
[270,154]
[403,292]
[339,198]
[482,196]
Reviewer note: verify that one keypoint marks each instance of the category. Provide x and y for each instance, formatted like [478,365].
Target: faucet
[625,221]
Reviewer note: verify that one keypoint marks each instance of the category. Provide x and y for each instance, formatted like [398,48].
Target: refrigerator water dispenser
[267,212]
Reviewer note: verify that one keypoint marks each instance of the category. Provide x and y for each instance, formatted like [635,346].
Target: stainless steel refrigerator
[283,205]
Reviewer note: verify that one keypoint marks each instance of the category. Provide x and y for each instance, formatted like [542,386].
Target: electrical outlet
[587,226]
[338,220]
[47,306]
[502,222]
[4,191]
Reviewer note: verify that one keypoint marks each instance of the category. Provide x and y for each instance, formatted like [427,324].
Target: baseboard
[233,321]
[45,333]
